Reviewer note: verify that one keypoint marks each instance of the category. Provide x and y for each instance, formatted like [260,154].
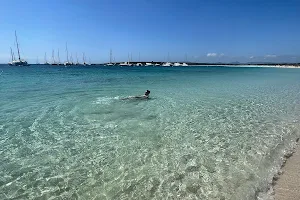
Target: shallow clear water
[205,133]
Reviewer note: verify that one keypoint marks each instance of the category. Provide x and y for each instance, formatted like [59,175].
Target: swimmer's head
[147,93]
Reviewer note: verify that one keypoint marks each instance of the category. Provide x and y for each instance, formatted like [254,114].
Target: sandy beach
[287,187]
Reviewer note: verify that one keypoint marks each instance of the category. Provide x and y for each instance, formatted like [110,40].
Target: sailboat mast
[17,45]
[58,56]
[12,55]
[110,56]
[45,58]
[53,61]
[76,58]
[67,52]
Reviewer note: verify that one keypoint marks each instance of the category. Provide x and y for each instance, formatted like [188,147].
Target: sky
[153,30]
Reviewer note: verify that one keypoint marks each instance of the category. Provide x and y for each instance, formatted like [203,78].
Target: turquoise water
[205,133]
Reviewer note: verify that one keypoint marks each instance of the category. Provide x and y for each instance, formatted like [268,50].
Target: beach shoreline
[286,184]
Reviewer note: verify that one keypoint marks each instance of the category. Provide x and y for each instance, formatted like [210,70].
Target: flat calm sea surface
[205,132]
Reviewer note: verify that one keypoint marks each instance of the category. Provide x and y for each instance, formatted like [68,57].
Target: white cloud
[270,56]
[222,54]
[211,54]
[251,57]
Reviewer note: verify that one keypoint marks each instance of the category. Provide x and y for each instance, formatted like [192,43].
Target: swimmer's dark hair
[147,92]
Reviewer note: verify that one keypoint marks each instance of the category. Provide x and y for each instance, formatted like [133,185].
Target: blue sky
[205,31]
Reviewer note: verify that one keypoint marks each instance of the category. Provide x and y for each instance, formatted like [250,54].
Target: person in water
[145,96]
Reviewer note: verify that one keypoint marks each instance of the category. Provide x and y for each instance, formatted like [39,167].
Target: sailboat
[177,64]
[45,58]
[110,63]
[71,59]
[184,64]
[125,63]
[58,63]
[139,63]
[67,63]
[77,63]
[53,59]
[12,57]
[37,61]
[18,62]
[83,57]
[130,60]
[149,64]
[167,64]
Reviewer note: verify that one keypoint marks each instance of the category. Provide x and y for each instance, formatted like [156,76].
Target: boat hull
[19,63]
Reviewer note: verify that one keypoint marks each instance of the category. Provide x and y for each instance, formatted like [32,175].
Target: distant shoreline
[258,65]
[217,64]
[272,65]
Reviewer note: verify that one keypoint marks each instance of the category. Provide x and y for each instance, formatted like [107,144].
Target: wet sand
[287,187]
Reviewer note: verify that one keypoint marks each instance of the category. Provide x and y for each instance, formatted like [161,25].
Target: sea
[206,132]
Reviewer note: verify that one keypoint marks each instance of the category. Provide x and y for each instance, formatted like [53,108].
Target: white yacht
[185,65]
[67,63]
[177,64]
[167,64]
[138,64]
[12,57]
[18,62]
[149,64]
[125,64]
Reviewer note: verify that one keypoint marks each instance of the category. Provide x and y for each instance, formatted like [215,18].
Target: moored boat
[18,62]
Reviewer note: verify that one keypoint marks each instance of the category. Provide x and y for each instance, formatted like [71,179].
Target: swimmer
[145,96]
